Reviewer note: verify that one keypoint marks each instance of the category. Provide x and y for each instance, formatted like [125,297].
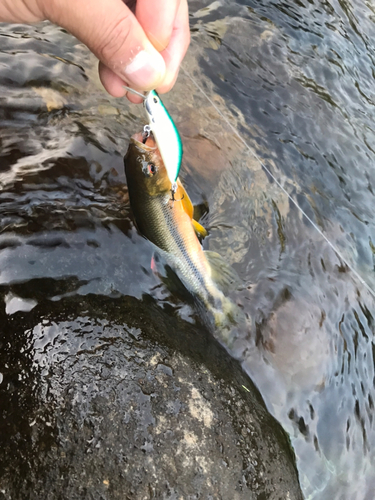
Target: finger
[113,34]
[157,20]
[177,47]
[20,11]
[114,85]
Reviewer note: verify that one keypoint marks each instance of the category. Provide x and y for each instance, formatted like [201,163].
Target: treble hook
[173,191]
[146,133]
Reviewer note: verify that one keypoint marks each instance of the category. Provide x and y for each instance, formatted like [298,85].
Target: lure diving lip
[165,132]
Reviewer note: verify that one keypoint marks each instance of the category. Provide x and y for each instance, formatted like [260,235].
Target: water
[296,82]
[299,77]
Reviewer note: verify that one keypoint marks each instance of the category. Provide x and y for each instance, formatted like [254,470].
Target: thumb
[111,31]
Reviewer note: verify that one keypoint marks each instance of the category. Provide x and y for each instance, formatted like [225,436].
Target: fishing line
[252,151]
[295,203]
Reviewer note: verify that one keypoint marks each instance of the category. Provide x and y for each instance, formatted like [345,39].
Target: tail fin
[228,321]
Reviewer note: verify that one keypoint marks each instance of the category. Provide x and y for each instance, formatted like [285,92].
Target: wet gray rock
[117,398]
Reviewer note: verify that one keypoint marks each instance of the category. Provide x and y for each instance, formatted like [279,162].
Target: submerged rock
[121,399]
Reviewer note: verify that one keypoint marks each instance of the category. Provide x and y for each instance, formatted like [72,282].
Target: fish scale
[163,219]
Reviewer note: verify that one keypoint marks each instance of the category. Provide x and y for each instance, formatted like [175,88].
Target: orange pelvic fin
[182,195]
[199,229]
[187,205]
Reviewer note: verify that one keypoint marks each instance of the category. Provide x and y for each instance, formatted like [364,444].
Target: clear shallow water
[296,82]
[301,76]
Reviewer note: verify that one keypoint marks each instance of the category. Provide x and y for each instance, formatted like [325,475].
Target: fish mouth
[149,144]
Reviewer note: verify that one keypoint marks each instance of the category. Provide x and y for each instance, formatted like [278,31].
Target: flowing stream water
[275,102]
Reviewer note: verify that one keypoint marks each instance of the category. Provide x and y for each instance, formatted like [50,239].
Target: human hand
[143,50]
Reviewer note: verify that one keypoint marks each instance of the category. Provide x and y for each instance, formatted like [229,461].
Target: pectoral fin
[221,272]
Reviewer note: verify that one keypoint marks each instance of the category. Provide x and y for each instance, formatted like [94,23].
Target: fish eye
[156,100]
[150,169]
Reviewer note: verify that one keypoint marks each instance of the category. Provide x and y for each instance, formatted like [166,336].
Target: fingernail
[145,71]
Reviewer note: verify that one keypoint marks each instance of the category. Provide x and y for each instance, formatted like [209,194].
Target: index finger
[176,50]
[157,18]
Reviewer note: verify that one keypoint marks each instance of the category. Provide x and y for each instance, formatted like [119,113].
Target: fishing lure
[165,133]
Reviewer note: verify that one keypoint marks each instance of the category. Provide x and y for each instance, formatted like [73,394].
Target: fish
[167,222]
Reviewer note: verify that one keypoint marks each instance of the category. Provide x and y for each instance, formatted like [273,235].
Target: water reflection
[308,104]
[295,79]
[300,78]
